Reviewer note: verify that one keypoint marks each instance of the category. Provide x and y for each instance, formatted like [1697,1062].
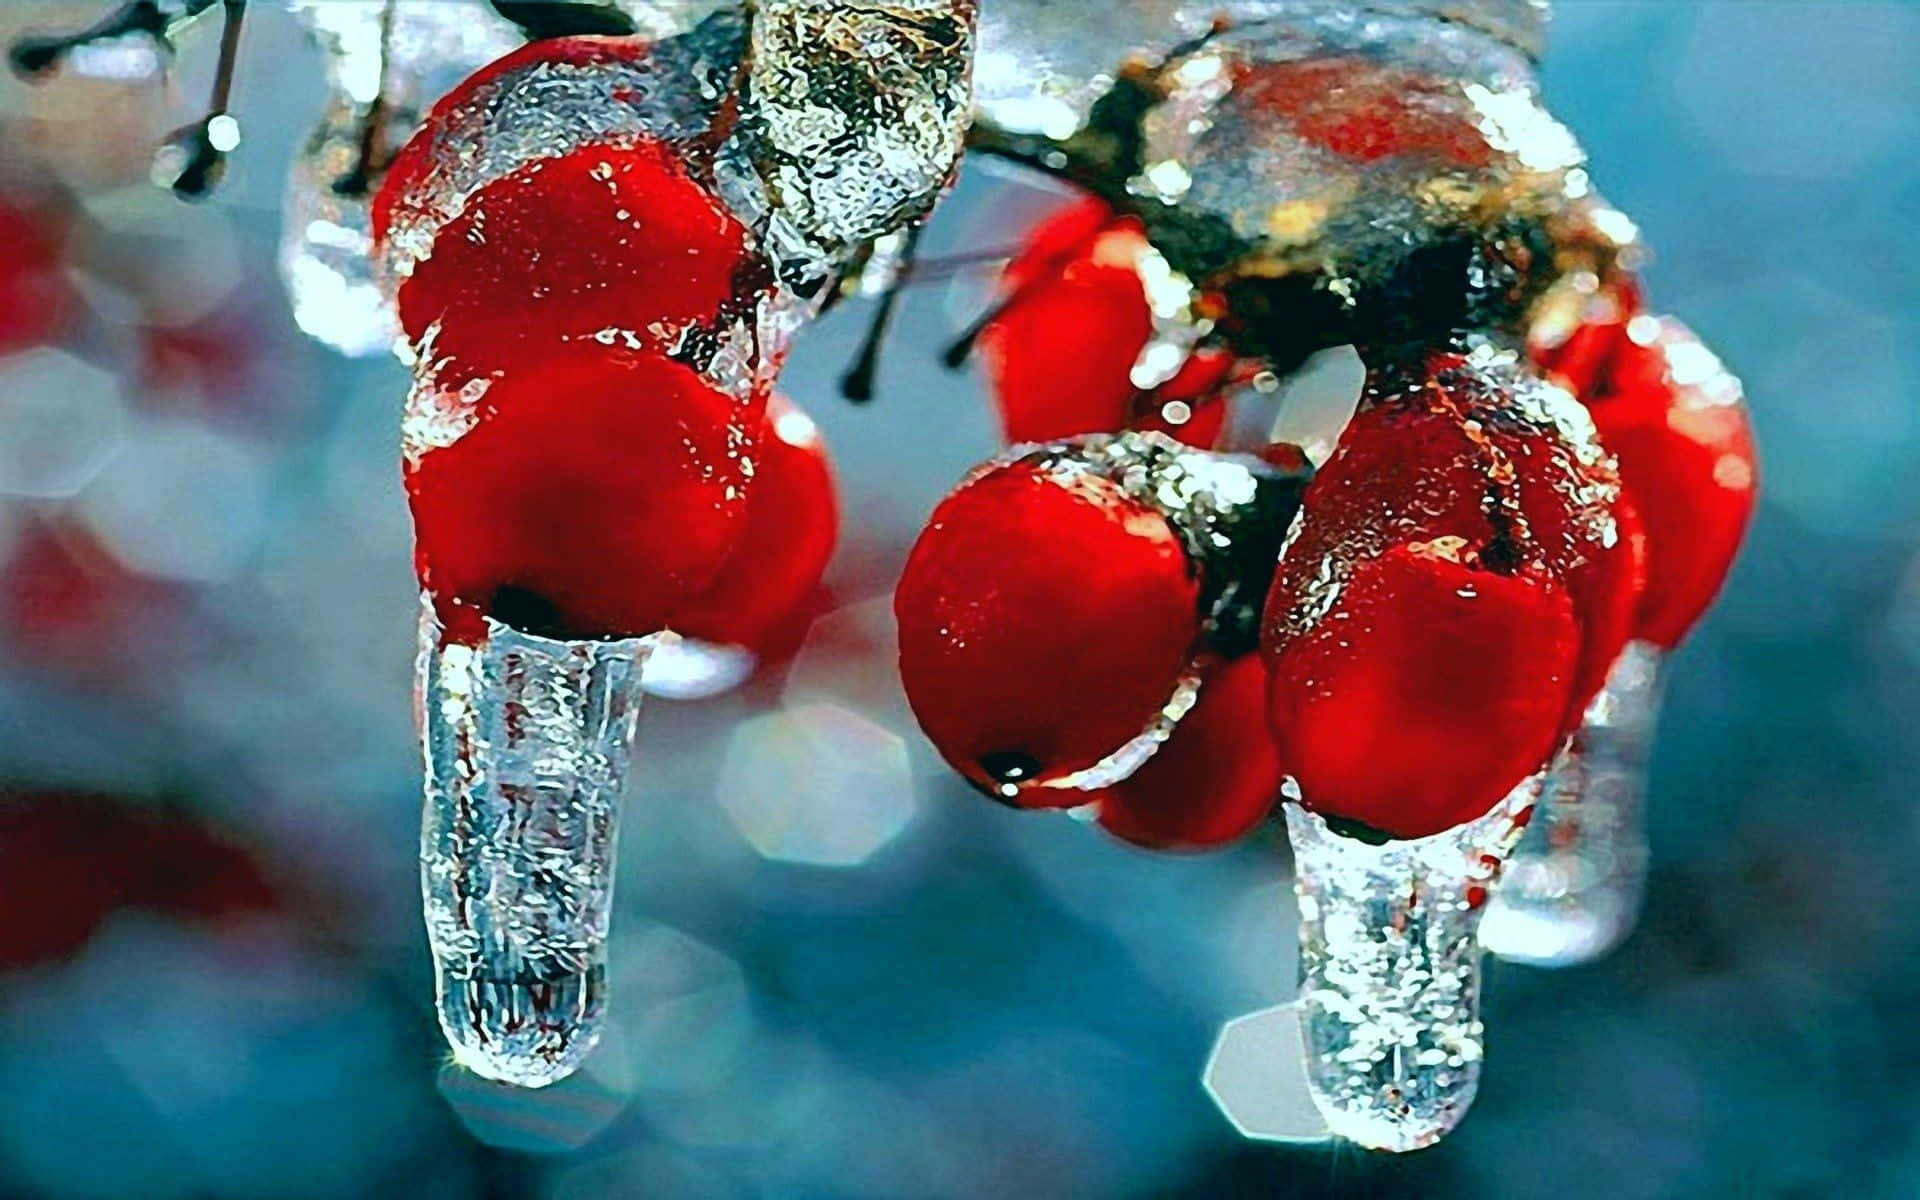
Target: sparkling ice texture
[528,743]
[1043,63]
[1241,157]
[1390,972]
[859,110]
[1573,887]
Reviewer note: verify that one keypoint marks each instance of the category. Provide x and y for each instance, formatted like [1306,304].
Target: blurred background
[838,972]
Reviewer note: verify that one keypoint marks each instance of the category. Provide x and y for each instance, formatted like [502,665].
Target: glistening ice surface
[528,742]
[1573,887]
[1390,972]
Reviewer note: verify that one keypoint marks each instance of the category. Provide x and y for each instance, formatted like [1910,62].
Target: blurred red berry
[35,298]
[71,607]
[1045,619]
[70,860]
[1677,422]
[599,492]
[787,535]
[1211,782]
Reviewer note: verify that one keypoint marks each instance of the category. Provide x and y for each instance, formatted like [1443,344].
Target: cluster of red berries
[583,459]
[1461,572]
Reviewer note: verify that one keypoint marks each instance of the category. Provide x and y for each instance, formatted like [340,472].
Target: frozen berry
[612,242]
[1428,690]
[1675,418]
[1061,349]
[1471,470]
[1045,618]
[596,493]
[790,525]
[1213,780]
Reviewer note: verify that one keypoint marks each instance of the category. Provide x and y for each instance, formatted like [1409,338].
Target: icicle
[1390,971]
[1573,888]
[528,743]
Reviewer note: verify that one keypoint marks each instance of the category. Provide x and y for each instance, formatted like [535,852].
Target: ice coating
[528,743]
[1389,996]
[433,44]
[543,101]
[1043,63]
[1574,884]
[326,243]
[858,110]
[1230,512]
[1518,447]
[1343,175]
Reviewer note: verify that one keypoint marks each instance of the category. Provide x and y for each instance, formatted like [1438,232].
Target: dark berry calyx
[1010,768]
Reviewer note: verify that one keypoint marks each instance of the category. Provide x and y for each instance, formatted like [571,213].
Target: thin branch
[37,55]
[194,157]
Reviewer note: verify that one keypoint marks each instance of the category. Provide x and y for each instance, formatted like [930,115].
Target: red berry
[1211,782]
[69,861]
[35,299]
[599,491]
[1614,586]
[1045,619]
[614,241]
[1674,417]
[1475,470]
[406,193]
[1427,692]
[1061,350]
[787,536]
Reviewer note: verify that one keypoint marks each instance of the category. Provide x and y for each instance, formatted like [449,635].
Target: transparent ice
[1390,971]
[547,107]
[1043,63]
[1218,145]
[325,242]
[859,109]
[528,742]
[1573,887]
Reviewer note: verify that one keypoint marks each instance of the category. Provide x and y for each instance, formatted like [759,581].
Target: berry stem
[193,158]
[857,384]
[371,157]
[35,55]
[961,348]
